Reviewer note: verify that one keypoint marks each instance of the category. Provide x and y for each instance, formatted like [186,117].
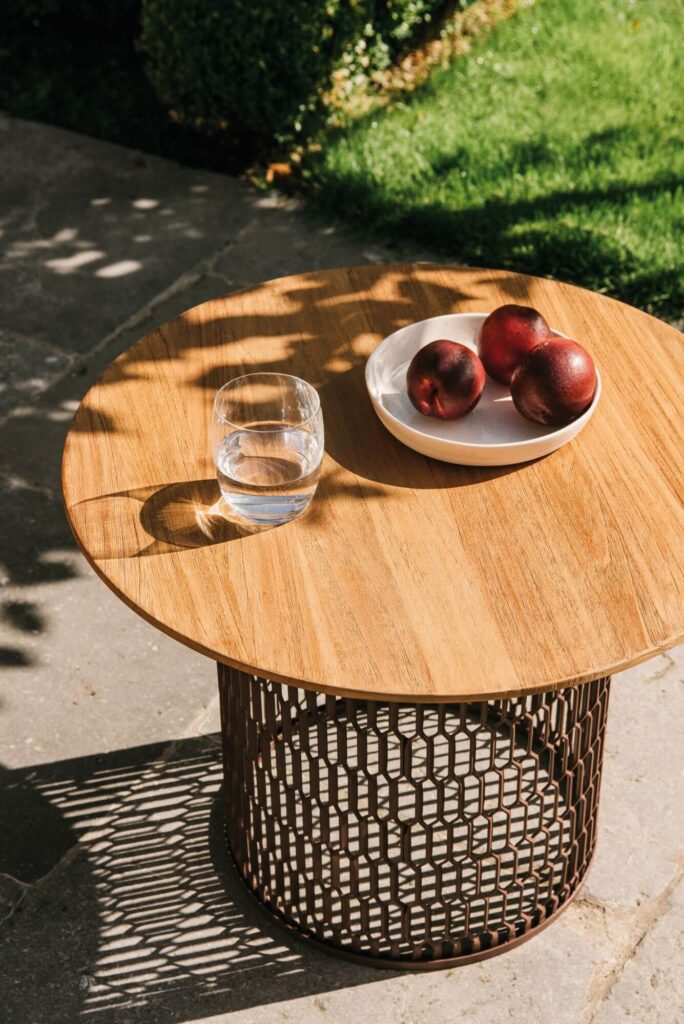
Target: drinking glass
[267,444]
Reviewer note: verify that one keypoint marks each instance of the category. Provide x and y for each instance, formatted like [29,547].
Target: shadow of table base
[149,920]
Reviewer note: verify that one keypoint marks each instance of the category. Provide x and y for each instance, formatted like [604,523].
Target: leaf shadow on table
[321,327]
[316,325]
[132,911]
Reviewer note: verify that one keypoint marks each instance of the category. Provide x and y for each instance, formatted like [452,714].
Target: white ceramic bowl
[493,434]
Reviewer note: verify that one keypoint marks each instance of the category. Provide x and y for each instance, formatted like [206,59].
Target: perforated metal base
[411,835]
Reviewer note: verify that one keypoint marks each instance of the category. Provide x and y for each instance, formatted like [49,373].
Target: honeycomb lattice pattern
[413,833]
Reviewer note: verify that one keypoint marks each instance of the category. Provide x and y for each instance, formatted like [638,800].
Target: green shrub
[250,68]
[260,69]
[400,23]
[236,75]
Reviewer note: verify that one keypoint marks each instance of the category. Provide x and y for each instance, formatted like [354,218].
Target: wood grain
[408,578]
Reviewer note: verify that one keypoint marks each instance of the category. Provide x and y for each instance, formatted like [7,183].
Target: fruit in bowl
[506,336]
[445,380]
[554,383]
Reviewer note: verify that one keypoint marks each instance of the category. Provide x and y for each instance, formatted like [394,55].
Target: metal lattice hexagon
[411,835]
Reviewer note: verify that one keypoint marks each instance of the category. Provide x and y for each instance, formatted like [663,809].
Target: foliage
[263,71]
[73,63]
[214,82]
[220,64]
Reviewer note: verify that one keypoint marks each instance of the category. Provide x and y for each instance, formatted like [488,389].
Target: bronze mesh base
[411,835]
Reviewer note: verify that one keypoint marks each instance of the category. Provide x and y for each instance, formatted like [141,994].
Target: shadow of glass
[155,520]
[188,515]
[165,925]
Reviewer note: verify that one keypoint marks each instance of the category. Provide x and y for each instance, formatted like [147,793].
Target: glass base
[263,510]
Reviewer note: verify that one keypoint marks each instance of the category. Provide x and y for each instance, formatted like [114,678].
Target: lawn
[554,147]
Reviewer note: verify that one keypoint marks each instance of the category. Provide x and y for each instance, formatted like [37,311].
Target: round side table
[414,676]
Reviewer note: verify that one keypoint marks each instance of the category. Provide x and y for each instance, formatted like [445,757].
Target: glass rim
[267,373]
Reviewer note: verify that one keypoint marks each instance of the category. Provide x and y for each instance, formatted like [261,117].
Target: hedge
[260,69]
[236,76]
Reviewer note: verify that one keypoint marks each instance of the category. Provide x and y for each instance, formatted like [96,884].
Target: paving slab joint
[32,891]
[11,903]
[184,282]
[671,663]
[644,919]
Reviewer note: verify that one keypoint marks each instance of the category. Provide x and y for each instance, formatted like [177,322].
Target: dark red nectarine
[445,379]
[555,383]
[506,336]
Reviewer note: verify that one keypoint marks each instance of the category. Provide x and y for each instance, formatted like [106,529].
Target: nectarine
[506,336]
[445,379]
[555,382]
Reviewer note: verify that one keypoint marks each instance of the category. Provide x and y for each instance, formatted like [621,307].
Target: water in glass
[268,474]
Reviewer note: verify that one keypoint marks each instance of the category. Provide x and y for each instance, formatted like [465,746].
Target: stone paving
[117,903]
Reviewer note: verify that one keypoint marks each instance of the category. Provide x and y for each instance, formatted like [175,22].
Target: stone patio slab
[95,231]
[118,902]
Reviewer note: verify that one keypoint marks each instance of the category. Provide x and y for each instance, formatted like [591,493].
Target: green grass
[554,147]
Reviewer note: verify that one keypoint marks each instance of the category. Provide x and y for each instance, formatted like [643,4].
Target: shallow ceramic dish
[493,434]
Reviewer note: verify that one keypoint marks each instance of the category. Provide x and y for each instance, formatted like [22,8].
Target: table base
[411,836]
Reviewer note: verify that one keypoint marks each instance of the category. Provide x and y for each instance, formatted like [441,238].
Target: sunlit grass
[555,147]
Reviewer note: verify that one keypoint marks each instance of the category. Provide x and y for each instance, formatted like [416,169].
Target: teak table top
[408,578]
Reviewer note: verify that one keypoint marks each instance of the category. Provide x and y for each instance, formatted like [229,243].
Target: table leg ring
[411,835]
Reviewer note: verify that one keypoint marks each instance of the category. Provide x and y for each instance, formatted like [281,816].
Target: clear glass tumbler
[267,443]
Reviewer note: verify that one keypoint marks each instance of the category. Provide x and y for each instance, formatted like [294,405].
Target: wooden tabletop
[408,578]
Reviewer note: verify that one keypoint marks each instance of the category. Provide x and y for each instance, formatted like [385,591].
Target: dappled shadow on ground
[25,617]
[151,921]
[35,547]
[92,233]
